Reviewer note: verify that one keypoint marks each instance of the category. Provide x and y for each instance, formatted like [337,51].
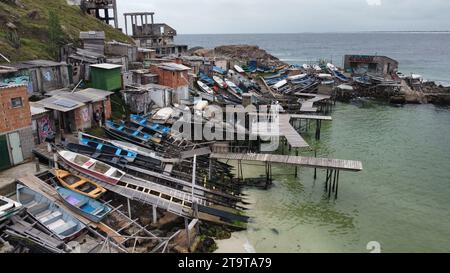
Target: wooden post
[186,224]
[296,166]
[337,185]
[155,216]
[36,161]
[55,160]
[326,181]
[129,208]
[315,169]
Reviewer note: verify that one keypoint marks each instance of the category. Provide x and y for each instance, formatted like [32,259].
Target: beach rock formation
[241,53]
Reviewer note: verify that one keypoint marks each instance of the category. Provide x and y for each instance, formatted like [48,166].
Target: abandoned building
[93,41]
[104,10]
[148,34]
[40,76]
[175,76]
[362,64]
[141,98]
[16,139]
[73,112]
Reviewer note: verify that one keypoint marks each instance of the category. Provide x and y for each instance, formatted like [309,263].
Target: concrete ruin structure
[148,34]
[362,64]
[104,10]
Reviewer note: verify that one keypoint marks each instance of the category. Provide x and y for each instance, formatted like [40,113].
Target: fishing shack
[106,76]
[175,76]
[373,64]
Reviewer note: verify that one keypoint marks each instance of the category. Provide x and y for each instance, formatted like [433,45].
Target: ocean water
[427,54]
[402,197]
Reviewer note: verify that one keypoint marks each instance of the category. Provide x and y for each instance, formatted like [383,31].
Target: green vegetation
[55,34]
[31,20]
[119,109]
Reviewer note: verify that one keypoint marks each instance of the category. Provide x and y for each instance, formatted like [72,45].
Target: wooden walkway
[310,162]
[291,135]
[308,105]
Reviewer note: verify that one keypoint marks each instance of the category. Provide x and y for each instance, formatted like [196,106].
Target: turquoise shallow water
[401,199]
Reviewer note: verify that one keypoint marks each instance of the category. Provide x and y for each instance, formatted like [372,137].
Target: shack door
[16,148]
[4,153]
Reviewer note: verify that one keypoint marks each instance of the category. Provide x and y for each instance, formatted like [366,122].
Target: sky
[293,16]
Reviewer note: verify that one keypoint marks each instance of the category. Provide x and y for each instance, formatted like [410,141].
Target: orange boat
[79,184]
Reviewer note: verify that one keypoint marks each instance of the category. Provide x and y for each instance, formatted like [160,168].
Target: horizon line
[324,32]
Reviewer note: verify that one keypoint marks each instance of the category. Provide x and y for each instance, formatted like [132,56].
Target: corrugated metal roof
[92,35]
[37,109]
[106,66]
[174,67]
[94,94]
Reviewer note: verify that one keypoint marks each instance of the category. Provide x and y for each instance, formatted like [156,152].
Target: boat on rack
[204,78]
[54,218]
[239,69]
[131,130]
[79,184]
[155,127]
[205,88]
[8,208]
[81,204]
[92,167]
[108,149]
[340,76]
[235,90]
[220,82]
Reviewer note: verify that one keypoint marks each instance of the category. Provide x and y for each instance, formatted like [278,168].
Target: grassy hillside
[31,19]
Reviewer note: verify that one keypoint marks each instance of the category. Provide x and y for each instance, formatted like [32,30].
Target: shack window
[16,102]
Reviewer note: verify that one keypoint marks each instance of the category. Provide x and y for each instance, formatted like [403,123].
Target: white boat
[297,77]
[279,84]
[332,67]
[234,88]
[325,76]
[205,88]
[8,207]
[306,66]
[317,68]
[92,167]
[220,82]
[239,69]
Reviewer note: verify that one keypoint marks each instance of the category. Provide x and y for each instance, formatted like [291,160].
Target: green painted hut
[106,76]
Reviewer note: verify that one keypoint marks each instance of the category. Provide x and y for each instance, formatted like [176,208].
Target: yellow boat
[79,184]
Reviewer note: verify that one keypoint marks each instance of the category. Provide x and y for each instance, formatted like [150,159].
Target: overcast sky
[294,16]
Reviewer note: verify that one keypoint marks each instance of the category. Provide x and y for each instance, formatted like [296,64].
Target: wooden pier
[332,166]
[308,105]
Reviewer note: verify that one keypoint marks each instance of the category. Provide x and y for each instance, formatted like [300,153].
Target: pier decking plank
[310,162]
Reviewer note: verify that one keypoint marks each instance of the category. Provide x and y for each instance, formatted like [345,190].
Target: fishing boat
[219,70]
[204,78]
[92,167]
[297,77]
[108,149]
[234,88]
[331,67]
[88,207]
[239,69]
[79,184]
[205,88]
[8,208]
[317,68]
[306,66]
[340,76]
[133,131]
[279,84]
[155,127]
[54,218]
[220,82]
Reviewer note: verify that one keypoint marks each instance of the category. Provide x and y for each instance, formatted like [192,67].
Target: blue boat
[204,78]
[130,131]
[219,70]
[142,121]
[340,76]
[107,149]
[54,218]
[86,206]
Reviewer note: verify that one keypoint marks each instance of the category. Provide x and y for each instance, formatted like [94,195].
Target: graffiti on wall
[45,128]
[85,114]
[21,78]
